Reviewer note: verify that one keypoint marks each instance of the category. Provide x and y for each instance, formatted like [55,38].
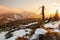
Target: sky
[50,5]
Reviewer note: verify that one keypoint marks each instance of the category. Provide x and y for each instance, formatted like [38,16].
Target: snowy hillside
[35,36]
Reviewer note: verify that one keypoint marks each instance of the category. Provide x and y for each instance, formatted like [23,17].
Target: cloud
[58,2]
[4,9]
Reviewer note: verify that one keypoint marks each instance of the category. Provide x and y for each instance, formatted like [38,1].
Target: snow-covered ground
[21,33]
[18,33]
[2,37]
[38,31]
[54,24]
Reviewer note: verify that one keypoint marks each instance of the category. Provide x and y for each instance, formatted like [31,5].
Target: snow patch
[2,35]
[52,24]
[40,31]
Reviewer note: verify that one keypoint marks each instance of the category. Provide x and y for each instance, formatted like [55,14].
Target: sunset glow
[31,5]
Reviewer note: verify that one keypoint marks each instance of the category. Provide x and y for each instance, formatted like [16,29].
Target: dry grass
[21,38]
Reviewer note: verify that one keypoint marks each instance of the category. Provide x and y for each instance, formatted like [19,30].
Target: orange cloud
[58,2]
[4,9]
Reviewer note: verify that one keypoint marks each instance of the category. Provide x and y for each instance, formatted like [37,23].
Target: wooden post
[43,17]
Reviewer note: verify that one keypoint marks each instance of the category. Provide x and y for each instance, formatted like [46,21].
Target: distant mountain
[10,16]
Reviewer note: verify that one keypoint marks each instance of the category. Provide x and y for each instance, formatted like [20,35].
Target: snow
[10,19]
[18,33]
[30,24]
[24,26]
[34,37]
[55,30]
[22,32]
[2,37]
[37,33]
[28,29]
[52,24]
[40,31]
[33,23]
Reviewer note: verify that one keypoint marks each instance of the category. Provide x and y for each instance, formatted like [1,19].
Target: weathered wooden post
[41,22]
[43,17]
